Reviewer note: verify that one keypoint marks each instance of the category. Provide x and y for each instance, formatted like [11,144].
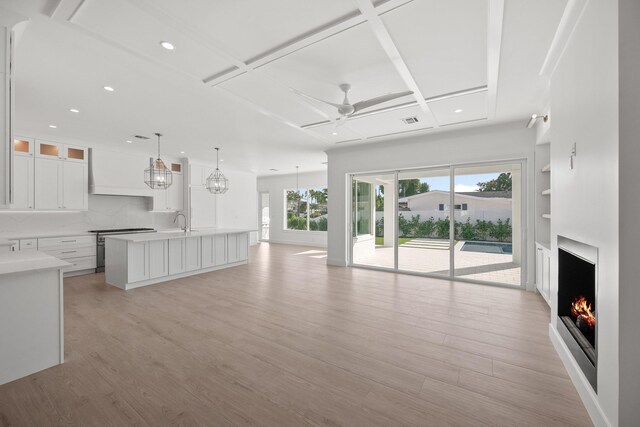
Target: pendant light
[157,175]
[217,183]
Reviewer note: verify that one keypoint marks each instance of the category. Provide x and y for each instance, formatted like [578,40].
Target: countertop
[171,234]
[44,234]
[23,261]
[5,242]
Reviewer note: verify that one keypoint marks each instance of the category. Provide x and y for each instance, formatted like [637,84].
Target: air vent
[273,170]
[410,120]
[141,137]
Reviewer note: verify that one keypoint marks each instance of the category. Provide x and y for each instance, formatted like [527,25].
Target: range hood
[117,173]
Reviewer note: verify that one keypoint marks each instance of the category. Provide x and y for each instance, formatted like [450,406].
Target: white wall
[489,143]
[629,293]
[275,186]
[238,207]
[104,212]
[584,201]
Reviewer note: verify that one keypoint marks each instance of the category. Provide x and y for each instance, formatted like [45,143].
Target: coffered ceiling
[238,68]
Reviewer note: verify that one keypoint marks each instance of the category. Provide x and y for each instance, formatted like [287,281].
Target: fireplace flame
[581,310]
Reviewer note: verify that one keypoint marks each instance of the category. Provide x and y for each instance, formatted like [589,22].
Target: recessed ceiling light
[73,110]
[108,88]
[53,126]
[182,152]
[222,160]
[129,141]
[459,110]
[167,45]
[334,133]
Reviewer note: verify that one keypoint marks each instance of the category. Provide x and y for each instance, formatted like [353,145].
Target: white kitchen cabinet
[23,182]
[48,183]
[198,174]
[158,258]
[192,254]
[543,271]
[76,154]
[237,247]
[138,254]
[176,256]
[49,150]
[23,146]
[170,199]
[78,250]
[75,186]
[214,250]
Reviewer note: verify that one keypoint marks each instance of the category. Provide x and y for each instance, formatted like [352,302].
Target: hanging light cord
[217,158]
[158,135]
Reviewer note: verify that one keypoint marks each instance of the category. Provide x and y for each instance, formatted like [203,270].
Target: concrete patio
[490,267]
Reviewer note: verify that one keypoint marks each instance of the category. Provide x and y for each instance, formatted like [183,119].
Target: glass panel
[296,210]
[75,153]
[49,149]
[176,167]
[265,216]
[423,221]
[487,223]
[372,201]
[21,145]
[318,209]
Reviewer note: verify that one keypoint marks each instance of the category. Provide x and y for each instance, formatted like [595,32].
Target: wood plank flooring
[289,341]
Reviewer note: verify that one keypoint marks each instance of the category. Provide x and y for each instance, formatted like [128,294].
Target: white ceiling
[232,79]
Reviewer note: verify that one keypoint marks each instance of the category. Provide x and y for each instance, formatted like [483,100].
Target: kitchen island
[31,313]
[135,260]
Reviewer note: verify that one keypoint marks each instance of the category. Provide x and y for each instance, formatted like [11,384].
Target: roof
[478,194]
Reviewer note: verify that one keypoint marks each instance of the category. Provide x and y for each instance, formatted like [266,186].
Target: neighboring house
[477,205]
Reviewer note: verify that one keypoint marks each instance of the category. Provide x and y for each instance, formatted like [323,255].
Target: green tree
[410,187]
[502,183]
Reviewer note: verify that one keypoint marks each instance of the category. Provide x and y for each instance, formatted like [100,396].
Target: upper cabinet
[198,174]
[171,199]
[49,175]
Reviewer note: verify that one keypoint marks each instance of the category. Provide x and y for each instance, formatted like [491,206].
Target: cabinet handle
[68,241]
[69,252]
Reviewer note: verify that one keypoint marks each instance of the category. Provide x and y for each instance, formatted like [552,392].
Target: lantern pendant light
[157,175]
[217,183]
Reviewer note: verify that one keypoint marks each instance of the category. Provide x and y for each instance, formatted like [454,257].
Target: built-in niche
[577,303]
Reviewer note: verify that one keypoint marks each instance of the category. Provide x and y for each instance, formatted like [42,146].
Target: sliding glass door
[456,221]
[487,206]
[373,238]
[423,221]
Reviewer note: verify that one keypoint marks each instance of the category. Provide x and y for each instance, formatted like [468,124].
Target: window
[464,207]
[441,207]
[362,209]
[306,209]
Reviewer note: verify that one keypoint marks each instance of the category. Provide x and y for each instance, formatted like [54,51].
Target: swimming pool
[488,247]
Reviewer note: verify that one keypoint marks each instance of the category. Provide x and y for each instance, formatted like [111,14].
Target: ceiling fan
[347,109]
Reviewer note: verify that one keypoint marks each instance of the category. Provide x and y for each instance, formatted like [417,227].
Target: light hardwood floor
[288,341]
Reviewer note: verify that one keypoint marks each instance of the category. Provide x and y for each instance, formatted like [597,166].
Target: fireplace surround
[577,303]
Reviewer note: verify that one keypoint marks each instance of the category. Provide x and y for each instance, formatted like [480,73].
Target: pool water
[487,247]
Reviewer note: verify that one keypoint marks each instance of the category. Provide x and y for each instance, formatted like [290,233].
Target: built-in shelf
[547,216]
[547,168]
[546,192]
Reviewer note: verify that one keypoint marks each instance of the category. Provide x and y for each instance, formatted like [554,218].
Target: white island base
[135,260]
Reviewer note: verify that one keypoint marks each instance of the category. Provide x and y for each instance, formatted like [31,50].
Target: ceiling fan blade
[304,95]
[358,106]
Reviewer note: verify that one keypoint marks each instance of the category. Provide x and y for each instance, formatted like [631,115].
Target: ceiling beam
[494,47]
[385,40]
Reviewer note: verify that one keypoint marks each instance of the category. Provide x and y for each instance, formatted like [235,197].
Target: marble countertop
[23,261]
[176,234]
[43,234]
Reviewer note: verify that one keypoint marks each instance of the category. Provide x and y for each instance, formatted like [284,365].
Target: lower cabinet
[184,255]
[543,271]
[158,258]
[214,250]
[138,254]
[237,247]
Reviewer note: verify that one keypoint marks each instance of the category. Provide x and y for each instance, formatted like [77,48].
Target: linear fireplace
[577,303]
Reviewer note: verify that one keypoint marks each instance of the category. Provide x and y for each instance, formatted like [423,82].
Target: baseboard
[588,396]
[336,262]
[288,242]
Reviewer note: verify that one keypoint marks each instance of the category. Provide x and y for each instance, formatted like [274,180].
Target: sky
[462,182]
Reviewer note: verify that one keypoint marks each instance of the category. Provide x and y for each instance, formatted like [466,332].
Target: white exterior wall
[488,209]
[275,186]
[485,144]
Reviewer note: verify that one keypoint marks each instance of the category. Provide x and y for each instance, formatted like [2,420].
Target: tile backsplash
[104,212]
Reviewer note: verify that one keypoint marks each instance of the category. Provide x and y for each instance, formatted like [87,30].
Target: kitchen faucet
[175,221]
